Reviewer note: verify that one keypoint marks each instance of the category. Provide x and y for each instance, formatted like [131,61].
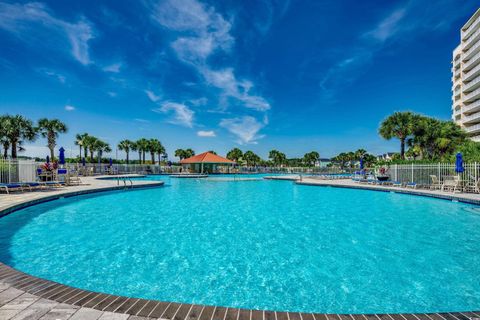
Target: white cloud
[182,115]
[61,78]
[31,17]
[152,96]
[112,94]
[225,79]
[199,102]
[69,108]
[245,128]
[115,68]
[388,26]
[203,133]
[203,32]
[141,120]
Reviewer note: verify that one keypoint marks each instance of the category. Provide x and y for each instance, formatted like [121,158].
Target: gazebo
[206,162]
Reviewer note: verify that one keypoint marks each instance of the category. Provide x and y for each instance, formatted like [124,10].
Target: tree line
[426,138]
[16,130]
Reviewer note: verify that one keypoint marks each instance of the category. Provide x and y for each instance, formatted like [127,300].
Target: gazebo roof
[206,157]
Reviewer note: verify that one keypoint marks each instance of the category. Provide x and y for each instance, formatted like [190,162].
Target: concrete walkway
[89,184]
[473,198]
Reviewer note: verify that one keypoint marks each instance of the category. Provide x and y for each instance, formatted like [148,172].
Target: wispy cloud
[50,73]
[203,32]
[22,19]
[388,26]
[141,120]
[245,128]
[152,96]
[115,67]
[207,134]
[402,24]
[69,108]
[182,114]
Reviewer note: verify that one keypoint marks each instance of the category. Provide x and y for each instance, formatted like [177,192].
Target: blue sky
[256,74]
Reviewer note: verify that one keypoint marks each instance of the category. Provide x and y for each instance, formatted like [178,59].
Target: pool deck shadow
[23,296]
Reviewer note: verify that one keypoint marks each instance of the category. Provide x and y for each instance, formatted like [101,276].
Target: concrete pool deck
[472,198]
[23,296]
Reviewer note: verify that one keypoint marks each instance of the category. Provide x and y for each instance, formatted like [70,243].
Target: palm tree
[18,129]
[235,154]
[161,152]
[399,125]
[4,141]
[180,153]
[277,157]
[50,128]
[434,139]
[153,146]
[80,141]
[142,147]
[89,144]
[251,158]
[100,147]
[311,158]
[360,153]
[126,145]
[189,153]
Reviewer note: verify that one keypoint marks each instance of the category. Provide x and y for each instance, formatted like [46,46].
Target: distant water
[256,244]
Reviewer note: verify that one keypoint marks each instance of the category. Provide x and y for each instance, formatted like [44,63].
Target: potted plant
[382,174]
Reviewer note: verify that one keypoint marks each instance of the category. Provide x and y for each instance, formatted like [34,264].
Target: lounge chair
[435,183]
[412,185]
[472,187]
[11,187]
[397,184]
[451,183]
[33,185]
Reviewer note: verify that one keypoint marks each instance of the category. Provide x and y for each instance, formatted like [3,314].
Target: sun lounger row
[29,186]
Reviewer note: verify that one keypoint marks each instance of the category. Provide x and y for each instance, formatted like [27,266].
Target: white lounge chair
[435,183]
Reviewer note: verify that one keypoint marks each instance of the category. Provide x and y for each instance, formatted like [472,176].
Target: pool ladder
[125,182]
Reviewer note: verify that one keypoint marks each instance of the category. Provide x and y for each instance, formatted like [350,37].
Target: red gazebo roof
[206,157]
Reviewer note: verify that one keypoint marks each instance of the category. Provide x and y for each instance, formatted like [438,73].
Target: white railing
[17,170]
[471,95]
[474,116]
[470,39]
[420,173]
[469,85]
[467,32]
[468,108]
[470,52]
[472,128]
[471,73]
[475,58]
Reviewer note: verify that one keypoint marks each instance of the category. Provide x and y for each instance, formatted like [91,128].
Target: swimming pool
[256,244]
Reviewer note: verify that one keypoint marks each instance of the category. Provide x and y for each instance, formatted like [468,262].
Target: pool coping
[65,294]
[388,189]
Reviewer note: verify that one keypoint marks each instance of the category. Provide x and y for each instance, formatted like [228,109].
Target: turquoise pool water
[256,244]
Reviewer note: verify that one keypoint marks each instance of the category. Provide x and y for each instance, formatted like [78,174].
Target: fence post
[412,173]
[9,169]
[476,172]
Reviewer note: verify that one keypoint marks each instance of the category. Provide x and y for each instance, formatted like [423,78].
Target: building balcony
[472,85]
[472,96]
[471,40]
[472,107]
[468,32]
[472,119]
[470,75]
[472,62]
[471,52]
[475,129]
